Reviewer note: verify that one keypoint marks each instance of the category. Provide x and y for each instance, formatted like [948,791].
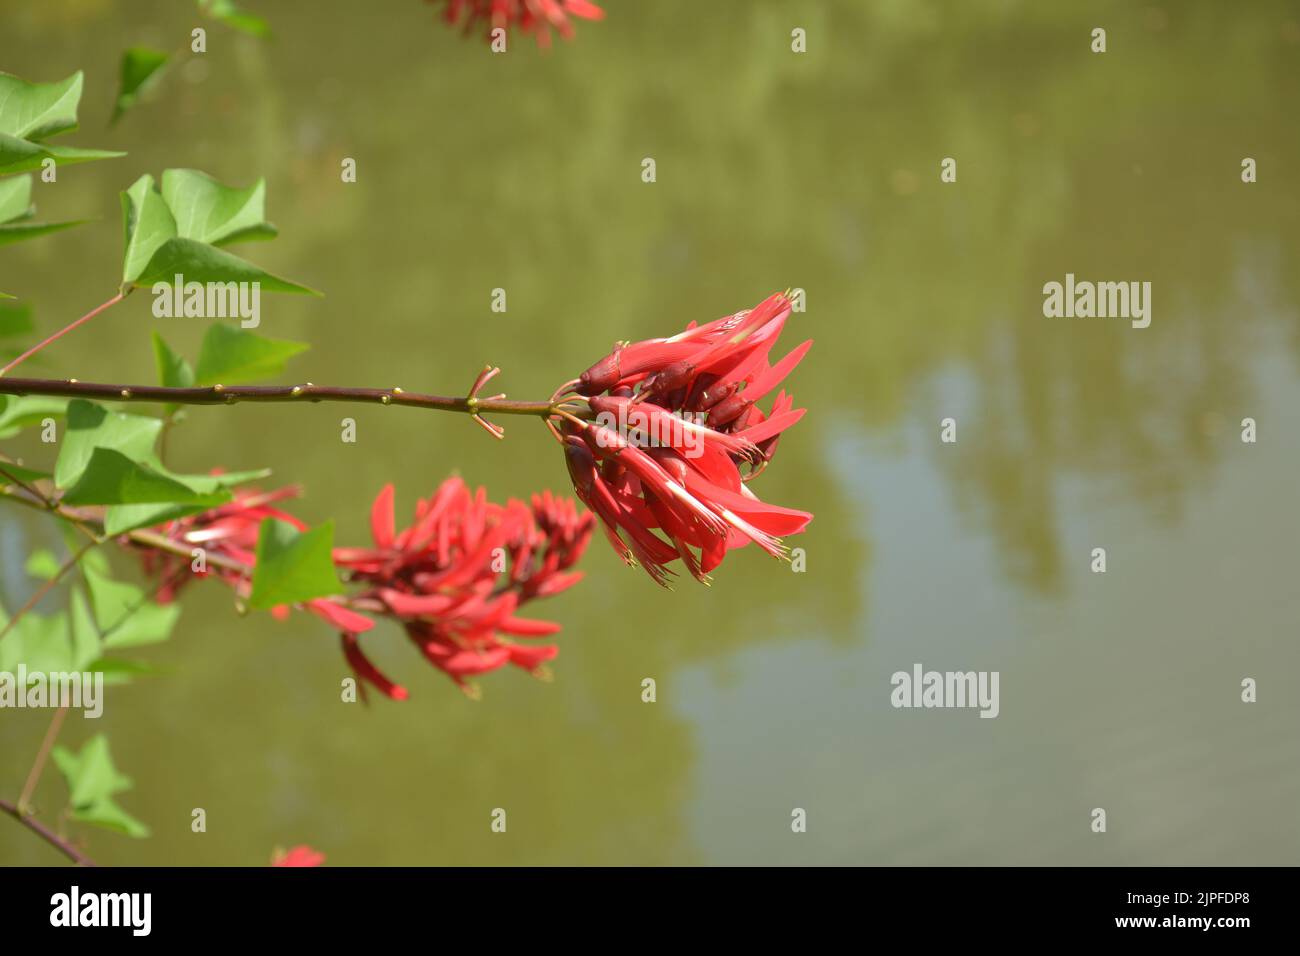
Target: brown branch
[45,833]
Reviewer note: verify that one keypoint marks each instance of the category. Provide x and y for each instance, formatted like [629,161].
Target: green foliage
[179,230]
[15,324]
[19,411]
[92,781]
[110,478]
[124,615]
[292,565]
[91,426]
[230,356]
[30,113]
[140,70]
[236,17]
[16,208]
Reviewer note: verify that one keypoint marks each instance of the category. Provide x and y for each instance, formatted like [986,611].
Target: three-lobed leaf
[178,231]
[92,781]
[229,356]
[292,565]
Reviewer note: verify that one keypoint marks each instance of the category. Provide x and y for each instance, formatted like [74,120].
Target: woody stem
[232,394]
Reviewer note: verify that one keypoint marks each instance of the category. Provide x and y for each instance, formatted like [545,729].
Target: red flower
[538,17]
[668,425]
[298,856]
[455,579]
[458,574]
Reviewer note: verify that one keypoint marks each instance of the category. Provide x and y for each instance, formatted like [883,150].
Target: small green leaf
[147,224]
[111,478]
[173,370]
[233,16]
[125,615]
[42,564]
[138,72]
[92,426]
[292,566]
[229,356]
[92,781]
[207,211]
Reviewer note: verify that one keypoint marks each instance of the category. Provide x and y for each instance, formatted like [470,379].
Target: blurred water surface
[774,169]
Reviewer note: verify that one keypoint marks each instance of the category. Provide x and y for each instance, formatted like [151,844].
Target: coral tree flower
[454,579]
[537,17]
[669,425]
[457,576]
[297,856]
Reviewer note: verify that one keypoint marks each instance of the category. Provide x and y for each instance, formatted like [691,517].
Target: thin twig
[45,833]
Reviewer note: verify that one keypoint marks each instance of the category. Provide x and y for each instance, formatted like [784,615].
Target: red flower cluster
[228,536]
[670,423]
[297,856]
[458,573]
[454,579]
[537,17]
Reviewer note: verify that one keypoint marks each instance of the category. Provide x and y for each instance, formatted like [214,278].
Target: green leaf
[37,110]
[92,426]
[21,472]
[122,518]
[292,566]
[177,232]
[38,641]
[119,671]
[92,781]
[197,261]
[16,207]
[229,356]
[18,412]
[84,633]
[20,156]
[232,16]
[33,112]
[112,478]
[42,564]
[207,211]
[147,224]
[173,371]
[15,198]
[125,615]
[138,72]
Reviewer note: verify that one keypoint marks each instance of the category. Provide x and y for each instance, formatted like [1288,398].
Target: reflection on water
[819,171]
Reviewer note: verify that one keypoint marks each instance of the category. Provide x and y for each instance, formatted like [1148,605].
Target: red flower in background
[297,856]
[671,423]
[458,574]
[538,17]
[454,579]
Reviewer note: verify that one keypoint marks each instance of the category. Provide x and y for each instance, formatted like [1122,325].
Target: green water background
[774,169]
